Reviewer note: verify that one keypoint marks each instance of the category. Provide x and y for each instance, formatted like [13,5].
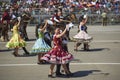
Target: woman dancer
[41,47]
[65,47]
[82,36]
[16,41]
[58,55]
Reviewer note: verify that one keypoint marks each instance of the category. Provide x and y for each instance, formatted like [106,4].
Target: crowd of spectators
[90,6]
[48,6]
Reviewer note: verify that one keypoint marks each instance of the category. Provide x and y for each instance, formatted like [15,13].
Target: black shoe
[59,74]
[69,75]
[27,53]
[41,62]
[86,49]
[26,39]
[51,76]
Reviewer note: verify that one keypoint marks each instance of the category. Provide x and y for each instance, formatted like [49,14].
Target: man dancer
[26,18]
[5,20]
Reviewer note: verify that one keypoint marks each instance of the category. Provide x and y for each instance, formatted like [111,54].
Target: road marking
[18,65]
[5,65]
[95,63]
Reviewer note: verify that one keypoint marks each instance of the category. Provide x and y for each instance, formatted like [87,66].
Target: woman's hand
[19,19]
[67,27]
[11,29]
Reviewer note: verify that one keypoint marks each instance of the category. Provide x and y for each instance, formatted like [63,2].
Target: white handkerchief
[85,16]
[19,18]
[50,22]
[70,25]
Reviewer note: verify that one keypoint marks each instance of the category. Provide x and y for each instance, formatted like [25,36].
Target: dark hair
[56,11]
[41,25]
[72,7]
[6,10]
[60,9]
[15,20]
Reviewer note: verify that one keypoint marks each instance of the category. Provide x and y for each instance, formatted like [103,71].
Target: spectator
[104,18]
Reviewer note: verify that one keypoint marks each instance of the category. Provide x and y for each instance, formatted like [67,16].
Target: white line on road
[5,65]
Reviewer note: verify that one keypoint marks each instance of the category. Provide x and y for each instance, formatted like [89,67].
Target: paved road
[101,63]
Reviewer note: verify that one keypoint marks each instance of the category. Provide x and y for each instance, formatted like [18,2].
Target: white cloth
[70,25]
[49,22]
[55,19]
[13,16]
[82,35]
[19,18]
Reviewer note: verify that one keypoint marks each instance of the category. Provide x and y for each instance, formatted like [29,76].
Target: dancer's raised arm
[44,27]
[61,34]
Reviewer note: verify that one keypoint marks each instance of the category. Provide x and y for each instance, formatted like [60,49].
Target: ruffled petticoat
[16,41]
[40,46]
[58,56]
[82,36]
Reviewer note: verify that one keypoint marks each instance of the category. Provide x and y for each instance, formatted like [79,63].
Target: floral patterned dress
[40,45]
[16,40]
[57,55]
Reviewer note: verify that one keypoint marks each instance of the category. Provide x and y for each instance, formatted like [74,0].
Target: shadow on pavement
[27,55]
[6,50]
[93,50]
[99,49]
[84,73]
[31,40]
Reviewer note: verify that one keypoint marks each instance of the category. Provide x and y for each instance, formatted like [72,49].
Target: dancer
[5,21]
[65,47]
[48,36]
[72,18]
[58,55]
[16,41]
[40,47]
[82,36]
[26,17]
